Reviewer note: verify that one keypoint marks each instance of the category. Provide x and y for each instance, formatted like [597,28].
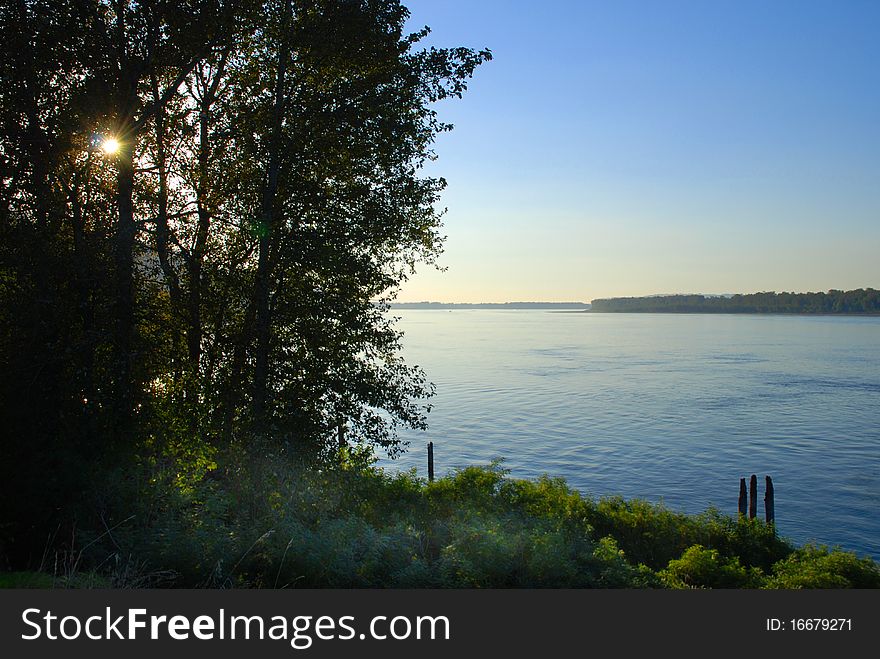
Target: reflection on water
[671,408]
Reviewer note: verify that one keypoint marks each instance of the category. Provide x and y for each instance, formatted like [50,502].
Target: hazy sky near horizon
[642,147]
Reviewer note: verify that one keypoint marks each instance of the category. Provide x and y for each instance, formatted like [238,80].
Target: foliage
[654,535]
[223,277]
[44,580]
[261,520]
[699,567]
[819,567]
[859,301]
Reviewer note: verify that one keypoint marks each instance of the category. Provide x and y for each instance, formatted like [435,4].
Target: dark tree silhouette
[221,278]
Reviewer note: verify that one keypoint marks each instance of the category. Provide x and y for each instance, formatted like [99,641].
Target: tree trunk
[262,284]
[84,287]
[124,312]
[163,231]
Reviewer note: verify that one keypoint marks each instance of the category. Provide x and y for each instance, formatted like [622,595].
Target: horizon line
[727,294]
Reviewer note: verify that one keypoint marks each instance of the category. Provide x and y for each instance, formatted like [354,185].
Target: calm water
[671,408]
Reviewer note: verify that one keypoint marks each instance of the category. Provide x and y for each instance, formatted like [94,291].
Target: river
[670,408]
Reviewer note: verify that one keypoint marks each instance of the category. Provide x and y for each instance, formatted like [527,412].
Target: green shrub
[648,533]
[819,567]
[752,541]
[699,567]
[653,535]
[614,571]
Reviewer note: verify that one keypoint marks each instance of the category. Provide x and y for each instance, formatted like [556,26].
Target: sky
[634,148]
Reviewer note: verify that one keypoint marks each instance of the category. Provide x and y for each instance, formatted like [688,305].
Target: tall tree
[342,99]
[224,274]
[143,40]
[265,232]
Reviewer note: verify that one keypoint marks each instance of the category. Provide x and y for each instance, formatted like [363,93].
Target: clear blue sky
[630,148]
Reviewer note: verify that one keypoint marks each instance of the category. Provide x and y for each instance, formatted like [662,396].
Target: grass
[36,579]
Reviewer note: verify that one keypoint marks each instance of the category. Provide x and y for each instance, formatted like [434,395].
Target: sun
[110,146]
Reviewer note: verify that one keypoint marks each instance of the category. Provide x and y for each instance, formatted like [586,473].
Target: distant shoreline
[739,313]
[858,302]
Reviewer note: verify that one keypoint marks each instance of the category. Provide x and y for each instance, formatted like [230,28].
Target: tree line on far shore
[858,301]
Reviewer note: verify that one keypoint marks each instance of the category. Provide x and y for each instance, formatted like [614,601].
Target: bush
[653,535]
[819,567]
[699,567]
[260,520]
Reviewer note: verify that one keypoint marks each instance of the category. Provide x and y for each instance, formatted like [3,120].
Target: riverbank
[264,524]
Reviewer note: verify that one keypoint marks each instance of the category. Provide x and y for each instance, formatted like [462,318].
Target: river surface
[671,408]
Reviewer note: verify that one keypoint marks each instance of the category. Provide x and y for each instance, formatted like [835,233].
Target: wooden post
[430,462]
[743,498]
[753,497]
[769,505]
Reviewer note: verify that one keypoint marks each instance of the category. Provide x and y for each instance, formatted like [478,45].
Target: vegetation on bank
[859,301]
[260,523]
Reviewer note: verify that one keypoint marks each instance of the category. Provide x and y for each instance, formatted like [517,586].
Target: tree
[343,214]
[321,120]
[225,274]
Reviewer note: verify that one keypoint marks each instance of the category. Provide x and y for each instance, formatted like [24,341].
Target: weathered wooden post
[430,462]
[743,498]
[769,505]
[753,497]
